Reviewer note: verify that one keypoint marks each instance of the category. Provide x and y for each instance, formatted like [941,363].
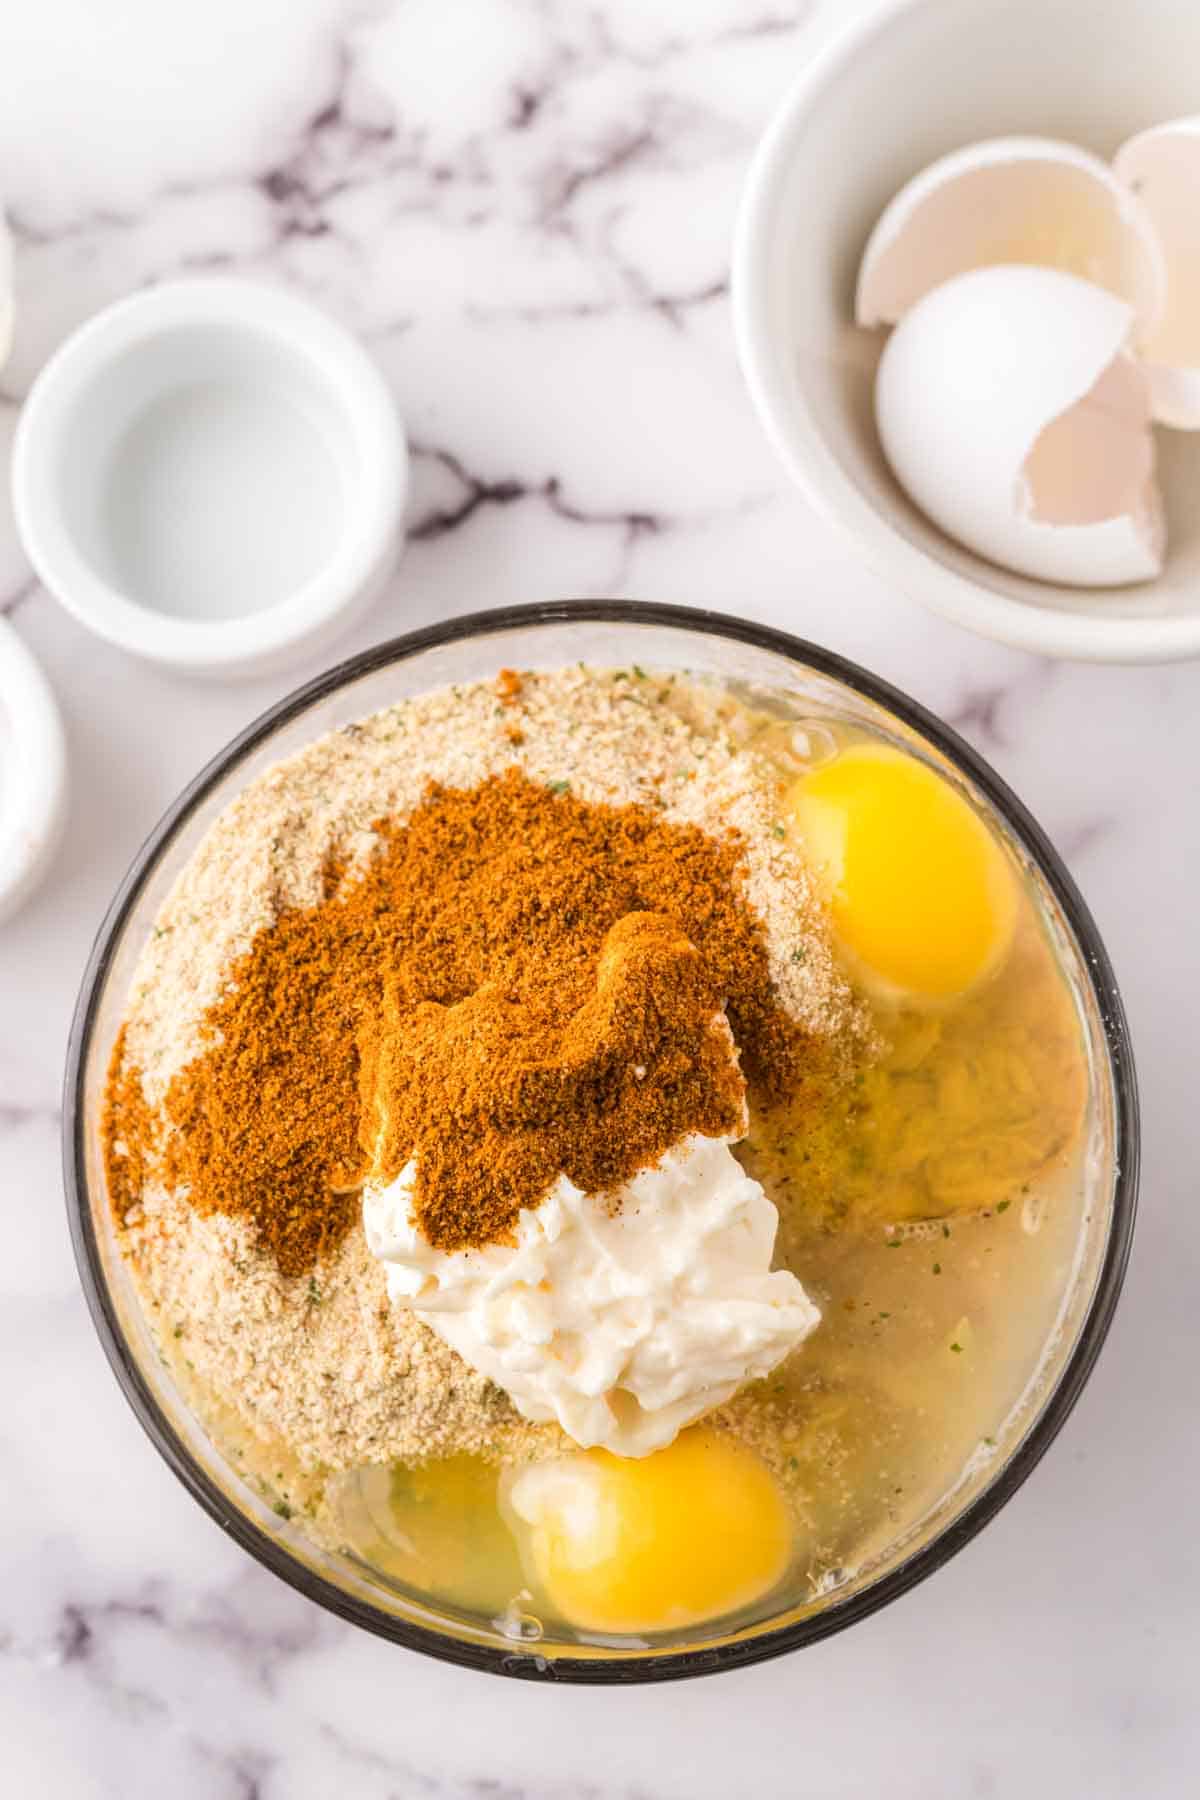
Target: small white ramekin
[33,772]
[211,474]
[902,85]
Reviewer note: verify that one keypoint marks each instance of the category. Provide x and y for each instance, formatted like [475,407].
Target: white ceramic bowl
[900,87]
[211,474]
[33,772]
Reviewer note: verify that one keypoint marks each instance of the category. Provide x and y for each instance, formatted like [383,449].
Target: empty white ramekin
[33,772]
[211,474]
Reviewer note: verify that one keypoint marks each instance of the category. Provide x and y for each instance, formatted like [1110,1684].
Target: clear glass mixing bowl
[759,661]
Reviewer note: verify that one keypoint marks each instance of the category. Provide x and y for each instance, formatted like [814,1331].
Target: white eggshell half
[1026,200]
[1011,413]
[1162,168]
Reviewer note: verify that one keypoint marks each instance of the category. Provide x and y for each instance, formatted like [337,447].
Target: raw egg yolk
[622,1545]
[922,896]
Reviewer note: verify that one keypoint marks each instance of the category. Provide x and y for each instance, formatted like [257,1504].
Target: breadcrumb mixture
[322,1364]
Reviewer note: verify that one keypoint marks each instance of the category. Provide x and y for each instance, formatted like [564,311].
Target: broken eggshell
[1162,168]
[1012,413]
[1022,200]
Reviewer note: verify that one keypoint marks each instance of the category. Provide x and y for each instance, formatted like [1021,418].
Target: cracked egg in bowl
[602,1141]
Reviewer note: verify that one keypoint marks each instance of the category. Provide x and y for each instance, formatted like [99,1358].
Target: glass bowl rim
[773,1641]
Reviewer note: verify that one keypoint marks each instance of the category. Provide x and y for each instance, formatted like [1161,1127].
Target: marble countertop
[524,208]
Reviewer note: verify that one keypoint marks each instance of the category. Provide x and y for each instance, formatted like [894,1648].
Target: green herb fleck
[957,1349]
[1003,1205]
[283,1509]
[314,1292]
[559,787]
[894,1243]
[640,673]
[800,955]
[937,1268]
[620,674]
[779,830]
[793,1464]
[945,1231]
[179,1331]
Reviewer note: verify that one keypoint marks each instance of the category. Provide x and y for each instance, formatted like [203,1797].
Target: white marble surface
[524,206]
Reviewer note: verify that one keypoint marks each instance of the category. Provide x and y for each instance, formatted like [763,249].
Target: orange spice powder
[484,996]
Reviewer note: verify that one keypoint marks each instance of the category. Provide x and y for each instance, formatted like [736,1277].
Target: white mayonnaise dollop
[625,1316]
